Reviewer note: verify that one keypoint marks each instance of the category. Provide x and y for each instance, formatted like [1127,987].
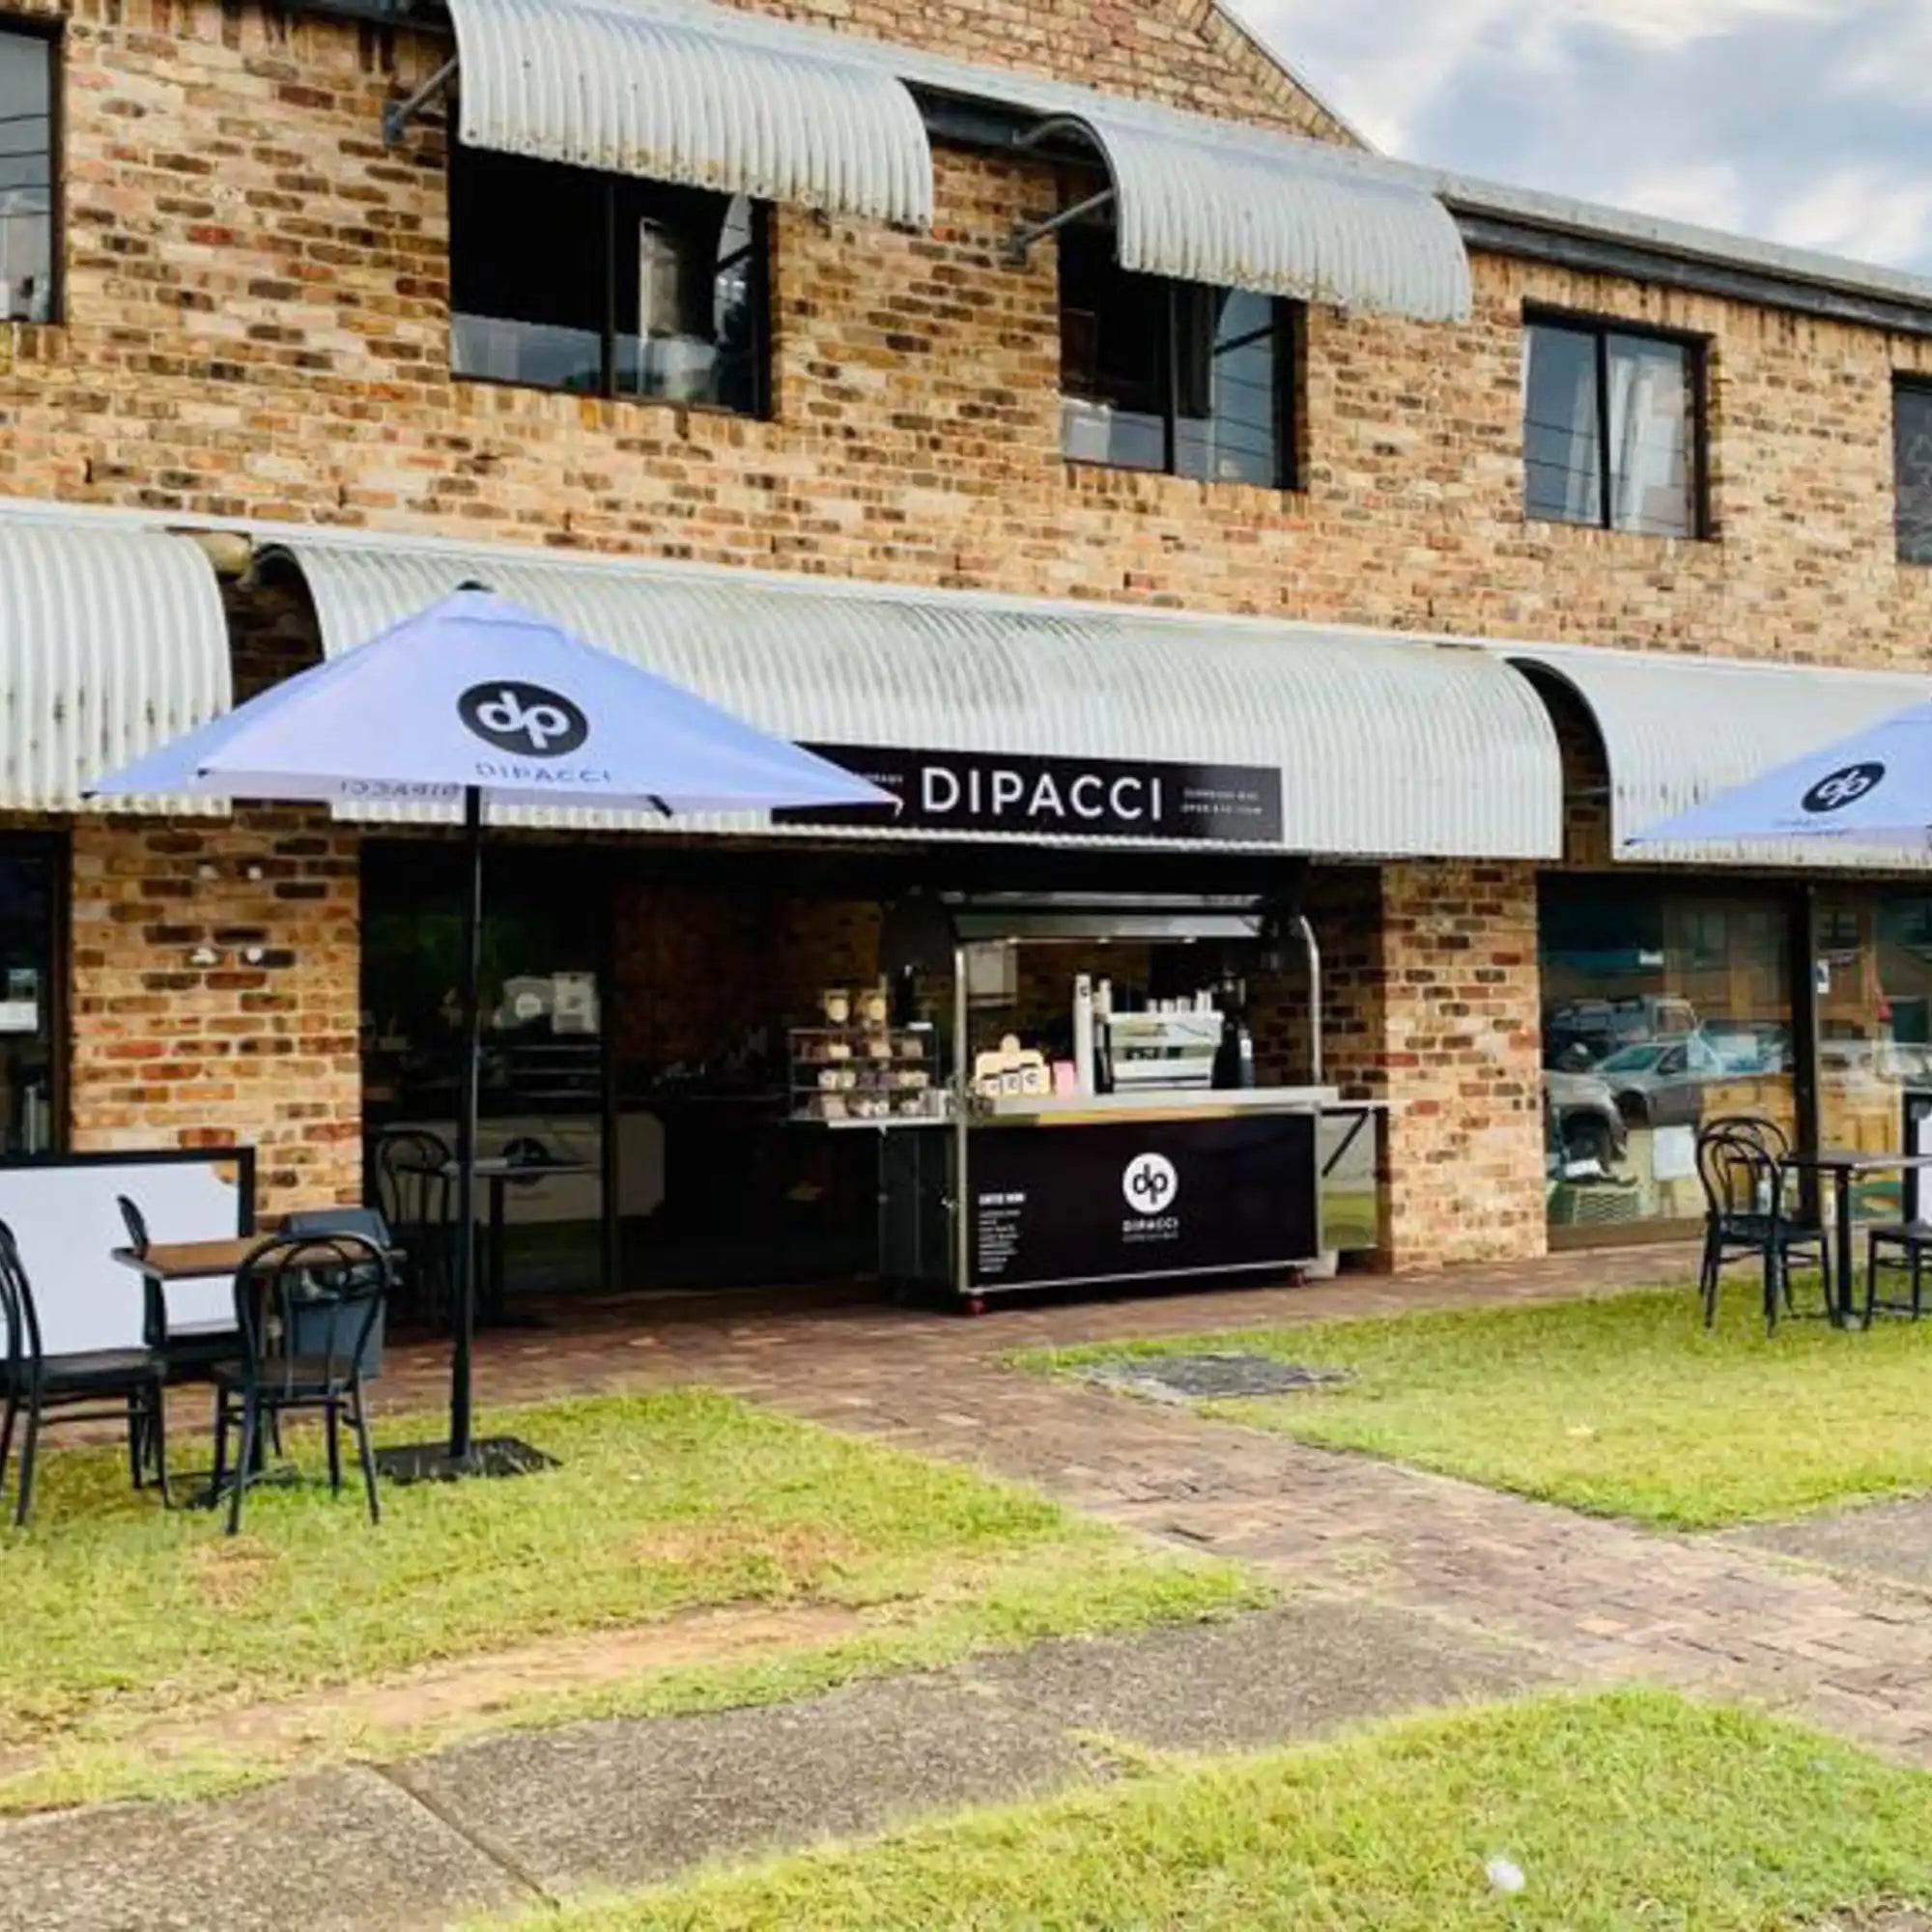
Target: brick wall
[1461,1054]
[1184,53]
[256,299]
[170,1049]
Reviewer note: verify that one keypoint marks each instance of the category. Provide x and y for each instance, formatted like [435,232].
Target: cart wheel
[974,1304]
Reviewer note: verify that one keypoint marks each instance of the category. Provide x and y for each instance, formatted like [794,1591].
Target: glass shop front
[1670,1002]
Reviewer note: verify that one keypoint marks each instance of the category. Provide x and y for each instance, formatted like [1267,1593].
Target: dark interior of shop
[643,996]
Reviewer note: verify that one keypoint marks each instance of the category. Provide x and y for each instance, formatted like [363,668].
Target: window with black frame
[1912,460]
[605,285]
[27,290]
[1172,376]
[1612,428]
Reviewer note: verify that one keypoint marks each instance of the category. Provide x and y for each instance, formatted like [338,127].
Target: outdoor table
[1844,1164]
[165,1261]
[501,1174]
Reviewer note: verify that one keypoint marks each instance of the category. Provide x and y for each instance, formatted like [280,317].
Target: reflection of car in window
[1657,1084]
[1582,1122]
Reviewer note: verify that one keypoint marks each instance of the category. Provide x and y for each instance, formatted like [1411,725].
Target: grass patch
[1621,1405]
[1631,1809]
[124,1621]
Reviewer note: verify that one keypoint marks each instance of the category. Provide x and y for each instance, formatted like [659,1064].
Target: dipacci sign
[1093,798]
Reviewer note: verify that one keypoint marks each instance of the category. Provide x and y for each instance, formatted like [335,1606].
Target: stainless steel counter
[1181,1103]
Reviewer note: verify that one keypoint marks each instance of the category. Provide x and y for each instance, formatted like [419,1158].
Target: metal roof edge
[1563,215]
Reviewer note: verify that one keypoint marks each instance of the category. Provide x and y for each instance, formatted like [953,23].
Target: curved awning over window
[1382,746]
[112,642]
[738,101]
[1676,731]
[1211,201]
[706,99]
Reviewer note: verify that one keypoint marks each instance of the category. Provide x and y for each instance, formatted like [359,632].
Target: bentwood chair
[1752,1127]
[94,1385]
[1748,1216]
[307,1306]
[410,1172]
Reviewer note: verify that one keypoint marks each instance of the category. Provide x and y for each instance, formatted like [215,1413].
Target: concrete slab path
[527,1816]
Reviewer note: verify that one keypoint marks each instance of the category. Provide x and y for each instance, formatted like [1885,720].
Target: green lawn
[120,1618]
[1623,1405]
[1625,1811]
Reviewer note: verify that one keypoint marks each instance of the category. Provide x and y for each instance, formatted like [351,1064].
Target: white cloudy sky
[1803,121]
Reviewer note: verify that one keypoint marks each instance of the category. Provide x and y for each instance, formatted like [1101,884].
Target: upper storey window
[1912,460]
[1172,376]
[1612,428]
[27,290]
[605,285]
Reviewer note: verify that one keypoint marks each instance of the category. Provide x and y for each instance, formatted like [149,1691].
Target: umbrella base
[489,1456]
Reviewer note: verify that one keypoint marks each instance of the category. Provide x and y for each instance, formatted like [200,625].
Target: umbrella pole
[465,1129]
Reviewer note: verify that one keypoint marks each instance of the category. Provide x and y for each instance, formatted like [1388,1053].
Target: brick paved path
[1598,1599]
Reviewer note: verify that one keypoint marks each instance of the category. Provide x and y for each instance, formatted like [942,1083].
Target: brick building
[1025,380]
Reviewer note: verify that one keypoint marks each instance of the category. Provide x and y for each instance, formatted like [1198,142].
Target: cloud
[1859,210]
[1803,121]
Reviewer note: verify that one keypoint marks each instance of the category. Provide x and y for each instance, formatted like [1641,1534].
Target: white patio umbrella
[1873,789]
[478,699]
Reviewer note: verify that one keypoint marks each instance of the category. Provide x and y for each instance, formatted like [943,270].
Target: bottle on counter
[1228,1055]
[1083,1032]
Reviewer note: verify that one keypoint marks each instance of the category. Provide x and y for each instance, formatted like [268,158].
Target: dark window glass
[1610,425]
[562,278]
[1173,376]
[26,178]
[1911,446]
[30,977]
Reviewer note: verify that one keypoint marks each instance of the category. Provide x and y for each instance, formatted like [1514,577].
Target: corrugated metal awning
[1240,208]
[1385,747]
[728,99]
[112,642]
[707,99]
[1676,731]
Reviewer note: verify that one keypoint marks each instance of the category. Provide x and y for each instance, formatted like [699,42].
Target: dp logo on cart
[524,718]
[1149,1183]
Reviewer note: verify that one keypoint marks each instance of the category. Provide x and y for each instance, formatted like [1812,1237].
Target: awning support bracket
[1019,243]
[398,114]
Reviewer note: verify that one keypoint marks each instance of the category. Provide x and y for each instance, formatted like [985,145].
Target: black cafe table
[501,1174]
[1845,1165]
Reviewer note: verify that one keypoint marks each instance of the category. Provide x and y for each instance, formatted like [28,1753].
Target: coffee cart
[1147,1154]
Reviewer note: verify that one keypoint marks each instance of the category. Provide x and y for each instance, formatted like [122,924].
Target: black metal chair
[1771,1137]
[1748,1216]
[408,1172]
[189,1357]
[94,1385]
[1899,1247]
[307,1305]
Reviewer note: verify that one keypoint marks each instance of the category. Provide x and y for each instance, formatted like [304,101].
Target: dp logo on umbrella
[1843,787]
[525,719]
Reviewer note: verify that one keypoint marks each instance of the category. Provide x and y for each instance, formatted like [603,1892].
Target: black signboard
[1090,798]
[1099,1202]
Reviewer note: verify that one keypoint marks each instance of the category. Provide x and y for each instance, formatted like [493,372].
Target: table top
[496,1168]
[202,1261]
[1852,1160]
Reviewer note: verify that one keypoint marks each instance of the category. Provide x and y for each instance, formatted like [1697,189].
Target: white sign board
[1673,1154]
[64,1216]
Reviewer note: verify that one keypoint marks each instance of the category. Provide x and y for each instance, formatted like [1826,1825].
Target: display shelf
[865,1074]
